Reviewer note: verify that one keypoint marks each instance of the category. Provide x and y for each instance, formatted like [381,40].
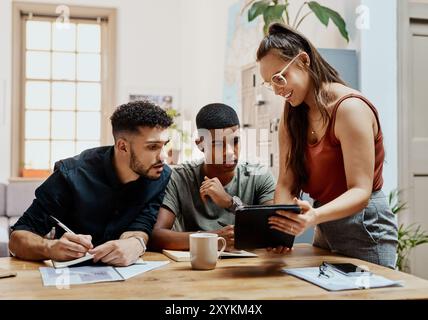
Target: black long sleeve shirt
[85,194]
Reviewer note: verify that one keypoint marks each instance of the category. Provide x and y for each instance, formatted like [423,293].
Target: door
[261,110]
[418,138]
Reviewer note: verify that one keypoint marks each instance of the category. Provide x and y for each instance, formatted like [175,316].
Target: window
[61,90]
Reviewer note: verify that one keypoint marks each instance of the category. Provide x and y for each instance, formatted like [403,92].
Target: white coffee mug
[204,250]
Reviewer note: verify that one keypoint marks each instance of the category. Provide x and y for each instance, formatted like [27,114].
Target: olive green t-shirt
[253,184]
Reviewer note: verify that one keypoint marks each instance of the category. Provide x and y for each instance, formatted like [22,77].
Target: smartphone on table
[347,269]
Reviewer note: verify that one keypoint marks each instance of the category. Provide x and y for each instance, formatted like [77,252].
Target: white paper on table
[93,274]
[139,267]
[65,277]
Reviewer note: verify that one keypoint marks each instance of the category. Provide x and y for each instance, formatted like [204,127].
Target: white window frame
[108,69]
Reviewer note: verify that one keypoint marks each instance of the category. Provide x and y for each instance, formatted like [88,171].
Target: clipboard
[252,230]
[335,281]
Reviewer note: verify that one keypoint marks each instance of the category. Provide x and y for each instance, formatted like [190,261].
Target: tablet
[252,230]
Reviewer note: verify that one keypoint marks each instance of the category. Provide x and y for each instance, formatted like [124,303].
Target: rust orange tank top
[324,161]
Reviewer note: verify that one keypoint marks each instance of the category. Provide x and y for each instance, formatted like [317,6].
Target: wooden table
[244,278]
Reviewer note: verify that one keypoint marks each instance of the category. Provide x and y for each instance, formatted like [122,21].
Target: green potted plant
[277,11]
[175,146]
[409,236]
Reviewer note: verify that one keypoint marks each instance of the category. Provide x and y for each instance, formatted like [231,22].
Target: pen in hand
[222,224]
[62,225]
[66,229]
[69,246]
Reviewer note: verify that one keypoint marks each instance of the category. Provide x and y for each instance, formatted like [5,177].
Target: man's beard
[140,169]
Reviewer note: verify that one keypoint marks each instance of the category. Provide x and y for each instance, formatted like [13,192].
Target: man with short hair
[203,195]
[109,196]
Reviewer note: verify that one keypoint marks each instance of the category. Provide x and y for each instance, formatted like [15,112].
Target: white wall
[203,47]
[175,46]
[5,87]
[378,77]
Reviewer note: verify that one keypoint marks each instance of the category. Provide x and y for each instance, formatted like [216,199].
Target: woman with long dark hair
[331,146]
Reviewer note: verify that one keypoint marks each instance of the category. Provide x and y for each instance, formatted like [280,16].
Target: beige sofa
[15,198]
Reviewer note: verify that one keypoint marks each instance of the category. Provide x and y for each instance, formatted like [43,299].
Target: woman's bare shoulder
[338,90]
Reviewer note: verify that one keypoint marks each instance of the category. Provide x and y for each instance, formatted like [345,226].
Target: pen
[62,225]
[222,223]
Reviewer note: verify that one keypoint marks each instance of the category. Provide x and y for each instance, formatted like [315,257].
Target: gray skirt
[369,235]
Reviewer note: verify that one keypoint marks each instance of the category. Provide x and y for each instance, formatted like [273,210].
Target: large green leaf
[273,14]
[339,22]
[324,14]
[257,9]
[319,11]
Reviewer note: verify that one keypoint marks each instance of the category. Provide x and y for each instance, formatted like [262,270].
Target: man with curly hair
[109,196]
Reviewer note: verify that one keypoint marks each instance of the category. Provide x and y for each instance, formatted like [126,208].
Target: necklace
[313,136]
[313,132]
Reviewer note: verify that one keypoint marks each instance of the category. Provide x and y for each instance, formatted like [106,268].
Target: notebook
[85,260]
[6,273]
[181,256]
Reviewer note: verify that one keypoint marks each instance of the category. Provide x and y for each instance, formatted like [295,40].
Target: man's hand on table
[119,253]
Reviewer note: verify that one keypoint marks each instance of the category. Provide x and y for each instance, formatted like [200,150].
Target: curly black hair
[216,116]
[143,113]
